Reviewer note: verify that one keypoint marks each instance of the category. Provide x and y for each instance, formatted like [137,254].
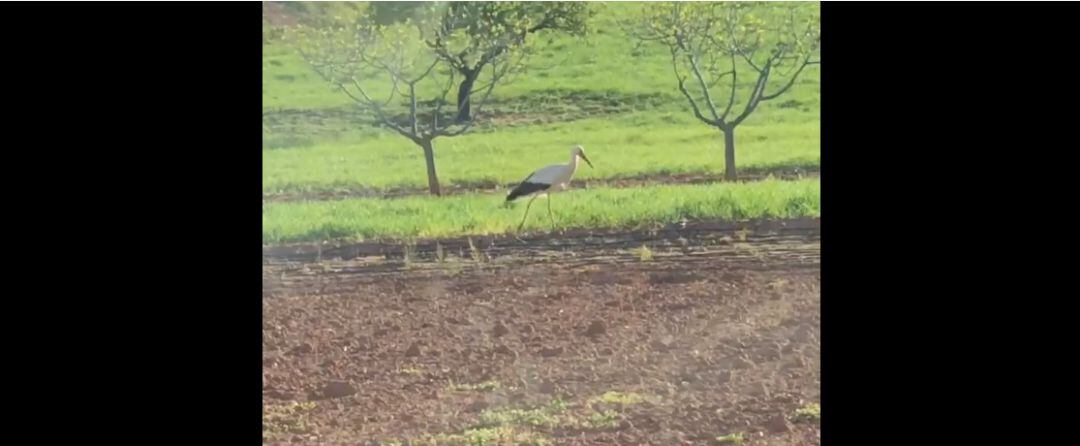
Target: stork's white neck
[573,162]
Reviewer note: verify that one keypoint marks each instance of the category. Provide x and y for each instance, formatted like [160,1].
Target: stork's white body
[556,176]
[540,183]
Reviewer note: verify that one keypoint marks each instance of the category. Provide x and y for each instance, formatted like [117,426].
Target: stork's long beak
[586,160]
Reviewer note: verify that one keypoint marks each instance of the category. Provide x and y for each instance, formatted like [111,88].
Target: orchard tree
[728,57]
[485,31]
[389,70]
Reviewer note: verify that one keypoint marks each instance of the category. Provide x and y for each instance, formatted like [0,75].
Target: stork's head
[580,152]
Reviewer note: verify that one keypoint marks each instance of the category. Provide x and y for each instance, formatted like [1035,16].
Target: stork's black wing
[526,188]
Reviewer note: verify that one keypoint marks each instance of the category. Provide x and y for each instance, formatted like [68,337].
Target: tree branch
[766,97]
[731,97]
[440,49]
[682,87]
[496,75]
[755,97]
[794,66]
[704,88]
[365,100]
[749,58]
[393,89]
[736,46]
[426,72]
[697,112]
[380,65]
[412,109]
[395,75]
[374,106]
[438,107]
[721,77]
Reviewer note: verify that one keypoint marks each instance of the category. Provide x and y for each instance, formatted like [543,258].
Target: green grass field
[477,214]
[619,101]
[623,145]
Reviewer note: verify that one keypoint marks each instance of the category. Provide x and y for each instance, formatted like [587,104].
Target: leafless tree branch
[442,100]
[393,89]
[682,88]
[791,82]
[720,77]
[426,72]
[496,75]
[374,106]
[749,58]
[412,109]
[755,96]
[704,88]
[734,84]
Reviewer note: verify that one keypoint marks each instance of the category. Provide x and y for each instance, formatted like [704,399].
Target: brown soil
[455,189]
[717,333]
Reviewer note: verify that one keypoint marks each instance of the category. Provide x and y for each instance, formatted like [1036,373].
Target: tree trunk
[464,94]
[432,178]
[729,154]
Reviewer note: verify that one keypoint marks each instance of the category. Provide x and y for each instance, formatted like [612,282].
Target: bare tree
[486,31]
[714,45]
[395,60]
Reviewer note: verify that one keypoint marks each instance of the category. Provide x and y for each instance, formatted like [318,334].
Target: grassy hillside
[618,100]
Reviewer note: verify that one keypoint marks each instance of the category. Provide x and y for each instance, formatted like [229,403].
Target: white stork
[546,180]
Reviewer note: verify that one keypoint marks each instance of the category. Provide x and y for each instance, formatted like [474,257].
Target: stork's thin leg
[526,213]
[549,214]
